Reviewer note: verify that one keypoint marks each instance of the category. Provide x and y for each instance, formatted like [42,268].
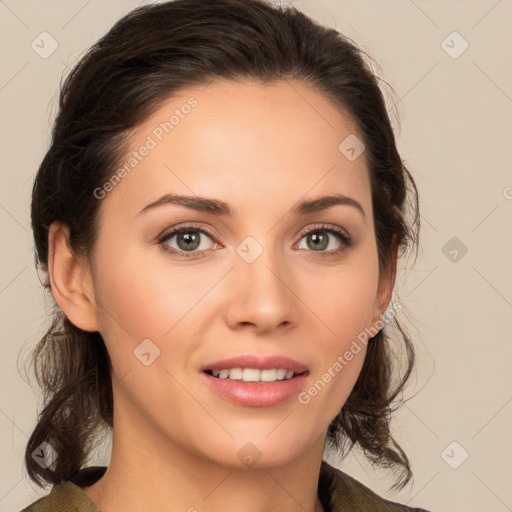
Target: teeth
[223,374]
[234,373]
[253,374]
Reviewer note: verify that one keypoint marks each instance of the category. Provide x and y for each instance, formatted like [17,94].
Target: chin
[259,452]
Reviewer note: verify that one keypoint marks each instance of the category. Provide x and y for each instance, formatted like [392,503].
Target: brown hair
[148,55]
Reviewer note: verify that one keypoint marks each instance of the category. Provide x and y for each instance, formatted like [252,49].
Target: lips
[257,362]
[256,394]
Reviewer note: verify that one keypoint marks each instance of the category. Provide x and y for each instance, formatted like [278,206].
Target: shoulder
[64,497]
[68,496]
[345,493]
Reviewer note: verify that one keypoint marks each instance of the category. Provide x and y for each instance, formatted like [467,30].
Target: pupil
[188,238]
[315,237]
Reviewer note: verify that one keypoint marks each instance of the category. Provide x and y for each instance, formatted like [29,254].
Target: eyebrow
[220,208]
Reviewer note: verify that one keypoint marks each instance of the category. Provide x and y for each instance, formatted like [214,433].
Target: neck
[150,473]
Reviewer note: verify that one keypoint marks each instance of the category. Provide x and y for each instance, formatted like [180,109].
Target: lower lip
[257,394]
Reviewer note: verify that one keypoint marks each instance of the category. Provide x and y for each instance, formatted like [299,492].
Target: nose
[260,295]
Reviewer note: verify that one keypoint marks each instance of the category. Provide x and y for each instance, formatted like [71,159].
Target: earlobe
[70,279]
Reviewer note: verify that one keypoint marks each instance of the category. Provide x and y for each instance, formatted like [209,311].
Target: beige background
[456,138]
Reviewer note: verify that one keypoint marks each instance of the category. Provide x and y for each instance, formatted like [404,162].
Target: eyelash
[339,233]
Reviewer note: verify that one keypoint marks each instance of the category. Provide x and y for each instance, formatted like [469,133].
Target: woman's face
[254,283]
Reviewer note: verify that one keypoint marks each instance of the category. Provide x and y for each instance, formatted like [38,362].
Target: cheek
[345,298]
[134,304]
[147,300]
[346,307]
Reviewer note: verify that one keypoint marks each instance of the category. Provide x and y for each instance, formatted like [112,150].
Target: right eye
[188,241]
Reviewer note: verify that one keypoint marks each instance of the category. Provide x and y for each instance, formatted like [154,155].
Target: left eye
[320,238]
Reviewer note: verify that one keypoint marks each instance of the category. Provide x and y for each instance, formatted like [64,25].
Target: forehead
[245,143]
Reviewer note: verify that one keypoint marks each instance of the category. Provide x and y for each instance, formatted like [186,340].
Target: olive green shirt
[338,492]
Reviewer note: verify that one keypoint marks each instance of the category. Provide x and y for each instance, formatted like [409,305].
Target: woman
[220,216]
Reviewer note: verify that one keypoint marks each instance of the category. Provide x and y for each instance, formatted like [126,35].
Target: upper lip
[258,362]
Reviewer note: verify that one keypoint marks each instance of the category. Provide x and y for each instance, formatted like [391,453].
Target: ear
[70,279]
[386,285]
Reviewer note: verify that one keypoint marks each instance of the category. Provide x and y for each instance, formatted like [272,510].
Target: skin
[261,149]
